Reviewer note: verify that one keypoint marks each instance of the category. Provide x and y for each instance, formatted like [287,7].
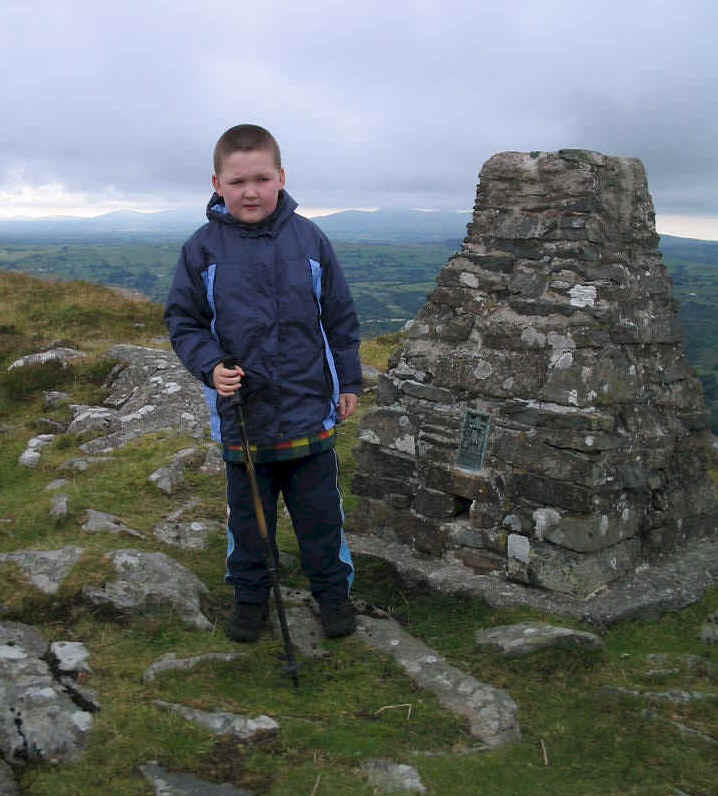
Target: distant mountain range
[381,226]
[365,226]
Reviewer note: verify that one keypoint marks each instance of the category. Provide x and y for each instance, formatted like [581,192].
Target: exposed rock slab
[176,783]
[243,728]
[170,477]
[30,457]
[673,583]
[46,569]
[147,579]
[90,418]
[58,506]
[305,629]
[490,711]
[675,696]
[170,662]
[151,391]
[188,534]
[53,398]
[39,721]
[101,522]
[62,355]
[80,464]
[390,777]
[58,483]
[70,656]
[527,637]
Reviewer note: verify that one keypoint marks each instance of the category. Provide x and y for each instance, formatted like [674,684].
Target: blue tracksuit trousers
[310,487]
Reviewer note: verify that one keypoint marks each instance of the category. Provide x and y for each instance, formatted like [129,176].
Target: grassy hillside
[579,736]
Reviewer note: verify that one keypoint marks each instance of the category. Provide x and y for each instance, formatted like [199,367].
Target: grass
[579,734]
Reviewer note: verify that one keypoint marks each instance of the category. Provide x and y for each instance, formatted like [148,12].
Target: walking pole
[292,667]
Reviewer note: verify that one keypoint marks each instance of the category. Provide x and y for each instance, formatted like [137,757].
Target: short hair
[245,138]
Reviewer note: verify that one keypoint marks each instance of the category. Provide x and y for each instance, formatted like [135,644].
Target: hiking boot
[338,617]
[247,621]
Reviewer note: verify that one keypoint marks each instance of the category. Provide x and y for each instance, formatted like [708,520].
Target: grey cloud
[373,104]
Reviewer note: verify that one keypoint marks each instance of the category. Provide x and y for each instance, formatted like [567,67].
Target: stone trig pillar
[541,421]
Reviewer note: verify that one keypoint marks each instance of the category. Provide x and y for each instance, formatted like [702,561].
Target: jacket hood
[217,211]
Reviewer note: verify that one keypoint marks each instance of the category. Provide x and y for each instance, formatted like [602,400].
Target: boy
[260,286]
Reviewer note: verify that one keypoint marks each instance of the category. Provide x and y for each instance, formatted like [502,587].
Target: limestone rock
[146,579]
[302,620]
[30,457]
[241,727]
[62,355]
[101,522]
[177,783]
[46,569]
[527,637]
[213,462]
[58,508]
[90,418]
[170,477]
[70,656]
[675,582]
[80,464]
[490,711]
[390,777]
[543,390]
[189,534]
[170,662]
[39,722]
[151,391]
[58,483]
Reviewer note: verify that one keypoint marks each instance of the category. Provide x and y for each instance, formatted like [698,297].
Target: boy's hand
[227,380]
[347,404]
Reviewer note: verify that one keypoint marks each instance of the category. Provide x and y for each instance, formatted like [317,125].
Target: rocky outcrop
[147,579]
[243,728]
[527,637]
[39,721]
[541,421]
[63,355]
[149,391]
[490,711]
[178,783]
[45,569]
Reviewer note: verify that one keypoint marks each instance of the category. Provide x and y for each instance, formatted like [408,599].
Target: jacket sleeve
[340,321]
[188,316]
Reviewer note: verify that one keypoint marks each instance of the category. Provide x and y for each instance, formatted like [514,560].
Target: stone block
[578,574]
[433,503]
[387,390]
[545,491]
[421,533]
[384,463]
[596,531]
[389,427]
[483,562]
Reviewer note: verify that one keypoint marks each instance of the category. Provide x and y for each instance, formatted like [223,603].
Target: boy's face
[249,183]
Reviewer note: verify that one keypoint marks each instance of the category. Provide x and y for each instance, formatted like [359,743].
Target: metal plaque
[474,437]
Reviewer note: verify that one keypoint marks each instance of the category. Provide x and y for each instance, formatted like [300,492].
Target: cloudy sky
[377,103]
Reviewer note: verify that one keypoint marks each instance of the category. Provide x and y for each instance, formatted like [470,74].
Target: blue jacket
[273,296]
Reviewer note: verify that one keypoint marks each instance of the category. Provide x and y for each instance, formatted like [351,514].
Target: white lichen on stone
[405,444]
[483,369]
[583,296]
